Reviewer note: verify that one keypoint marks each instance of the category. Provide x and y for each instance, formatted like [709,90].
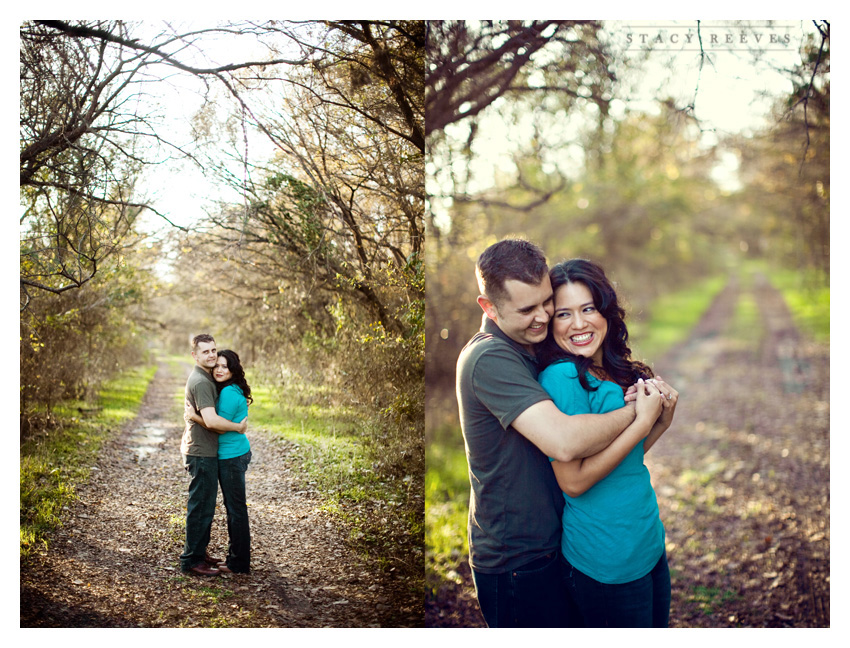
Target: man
[511,427]
[199,448]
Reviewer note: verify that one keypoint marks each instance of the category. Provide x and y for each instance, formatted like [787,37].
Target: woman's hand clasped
[650,401]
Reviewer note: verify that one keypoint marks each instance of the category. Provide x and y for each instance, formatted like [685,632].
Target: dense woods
[316,268]
[306,256]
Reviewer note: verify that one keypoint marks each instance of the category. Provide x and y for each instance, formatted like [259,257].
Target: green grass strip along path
[807,296]
[673,316]
[55,461]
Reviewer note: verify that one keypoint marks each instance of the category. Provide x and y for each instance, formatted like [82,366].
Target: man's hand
[671,398]
[188,411]
[243,426]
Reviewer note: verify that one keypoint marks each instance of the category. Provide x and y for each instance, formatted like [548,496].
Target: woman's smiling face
[220,372]
[577,327]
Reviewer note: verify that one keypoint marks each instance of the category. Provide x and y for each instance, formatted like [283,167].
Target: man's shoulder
[198,379]
[486,343]
[494,353]
[490,360]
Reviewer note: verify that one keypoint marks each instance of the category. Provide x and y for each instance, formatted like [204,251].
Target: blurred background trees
[84,268]
[568,154]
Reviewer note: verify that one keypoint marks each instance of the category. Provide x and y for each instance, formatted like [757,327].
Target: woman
[613,554]
[234,455]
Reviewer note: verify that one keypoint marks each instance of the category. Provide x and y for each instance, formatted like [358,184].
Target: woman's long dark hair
[238,377]
[616,354]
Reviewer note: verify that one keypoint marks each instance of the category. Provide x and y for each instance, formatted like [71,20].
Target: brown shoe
[212,562]
[224,569]
[203,569]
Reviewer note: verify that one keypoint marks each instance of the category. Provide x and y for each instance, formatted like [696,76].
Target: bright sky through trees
[732,93]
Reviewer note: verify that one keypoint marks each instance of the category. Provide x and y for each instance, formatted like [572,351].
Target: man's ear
[488,307]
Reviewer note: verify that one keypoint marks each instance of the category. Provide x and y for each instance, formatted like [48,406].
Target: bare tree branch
[824,33]
[89,32]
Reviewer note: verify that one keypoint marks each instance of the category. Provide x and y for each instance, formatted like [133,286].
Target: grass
[673,315]
[747,322]
[807,295]
[207,601]
[710,598]
[327,438]
[446,510]
[54,462]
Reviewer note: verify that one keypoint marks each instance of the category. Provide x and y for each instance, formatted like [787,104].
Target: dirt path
[742,477]
[114,563]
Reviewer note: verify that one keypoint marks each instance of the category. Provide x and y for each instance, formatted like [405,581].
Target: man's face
[524,315]
[205,356]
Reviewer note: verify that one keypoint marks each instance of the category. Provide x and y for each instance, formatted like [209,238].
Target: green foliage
[639,205]
[70,343]
[807,296]
[59,457]
[294,213]
[78,158]
[786,170]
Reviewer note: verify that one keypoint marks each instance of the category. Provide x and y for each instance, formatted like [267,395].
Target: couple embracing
[564,529]
[216,452]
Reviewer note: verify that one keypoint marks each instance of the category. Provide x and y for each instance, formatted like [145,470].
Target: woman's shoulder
[561,369]
[232,390]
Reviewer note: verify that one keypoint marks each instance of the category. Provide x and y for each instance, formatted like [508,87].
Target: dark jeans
[203,488]
[529,597]
[641,603]
[231,476]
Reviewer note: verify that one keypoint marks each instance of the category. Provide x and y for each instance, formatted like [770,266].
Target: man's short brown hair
[509,259]
[202,337]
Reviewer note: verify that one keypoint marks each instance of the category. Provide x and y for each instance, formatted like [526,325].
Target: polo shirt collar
[491,328]
[205,373]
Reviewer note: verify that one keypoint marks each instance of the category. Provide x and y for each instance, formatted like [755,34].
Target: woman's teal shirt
[233,406]
[612,532]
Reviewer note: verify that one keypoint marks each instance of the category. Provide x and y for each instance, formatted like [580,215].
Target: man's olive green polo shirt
[515,503]
[197,440]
